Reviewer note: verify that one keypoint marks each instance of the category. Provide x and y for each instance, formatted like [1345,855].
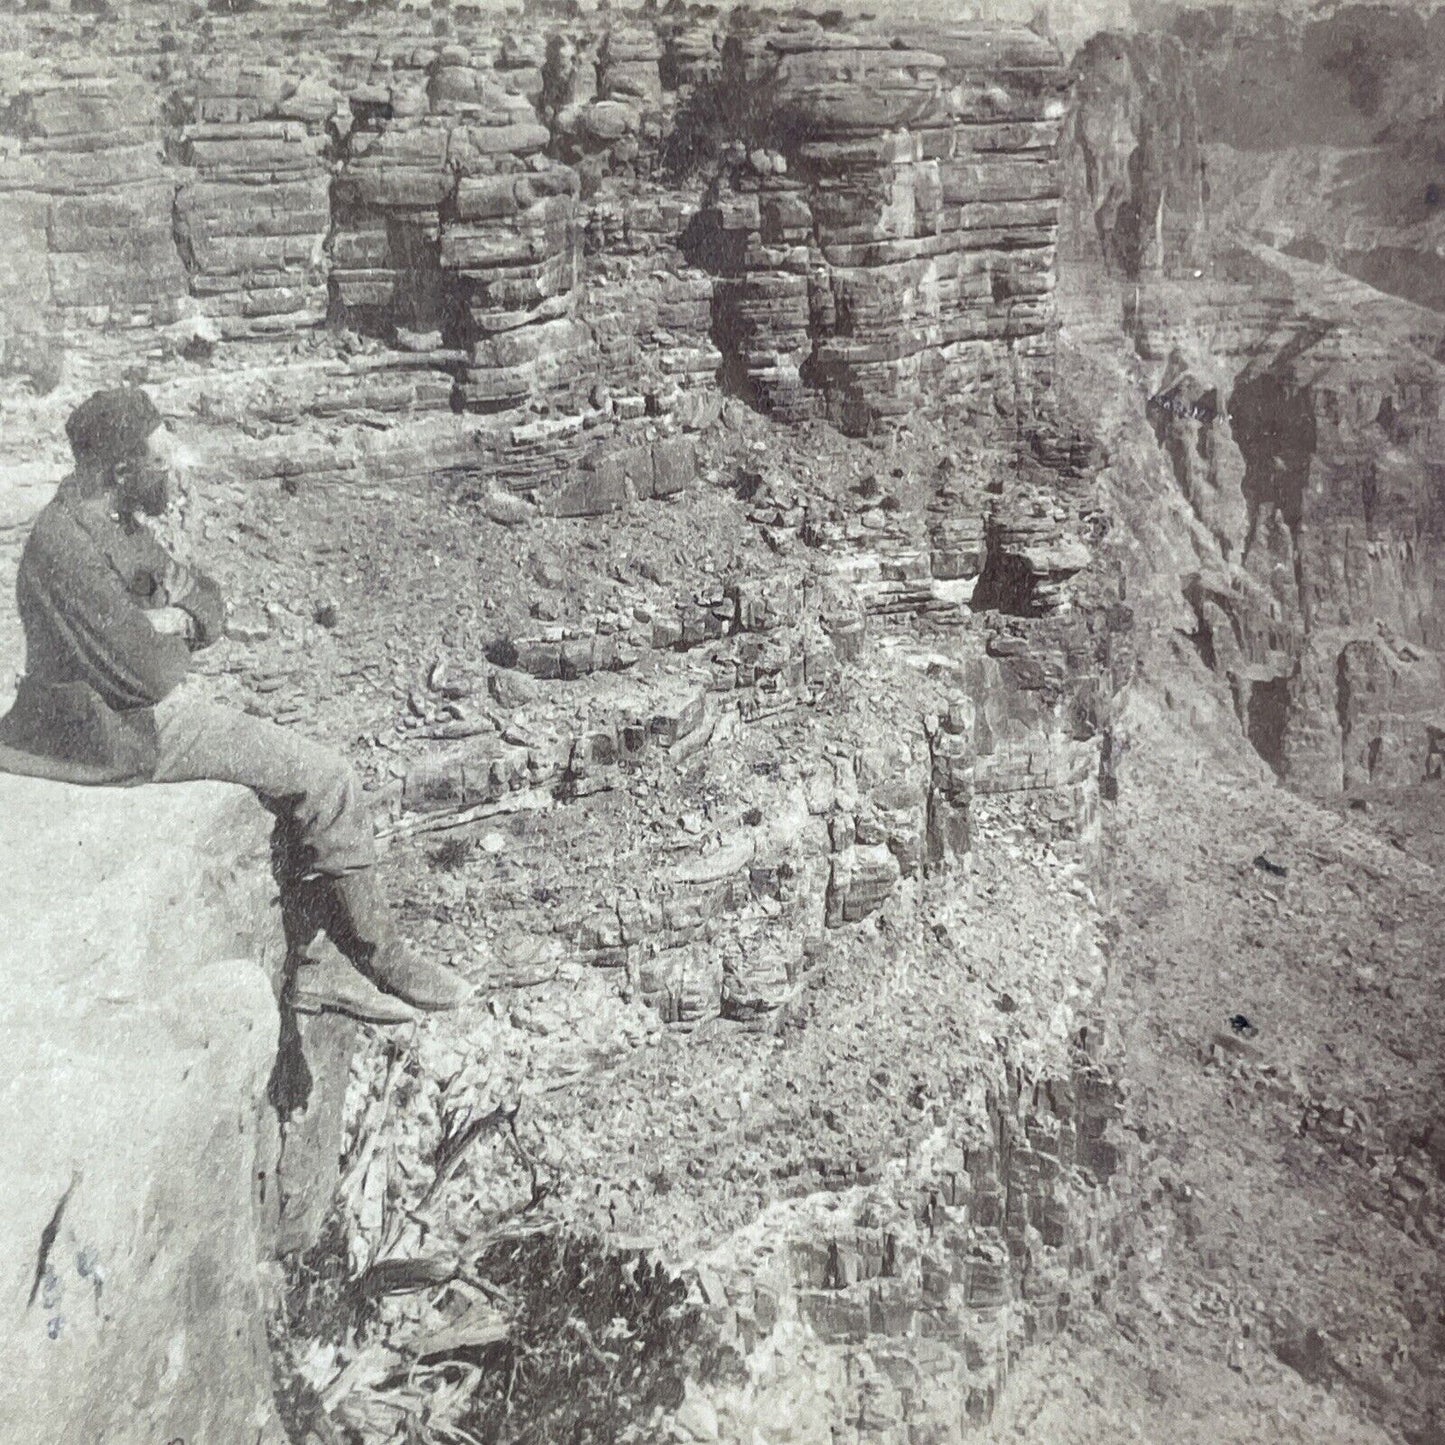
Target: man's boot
[361,927]
[325,982]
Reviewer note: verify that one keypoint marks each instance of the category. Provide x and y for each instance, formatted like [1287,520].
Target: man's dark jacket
[95,668]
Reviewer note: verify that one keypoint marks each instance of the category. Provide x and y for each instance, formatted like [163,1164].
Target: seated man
[110,622]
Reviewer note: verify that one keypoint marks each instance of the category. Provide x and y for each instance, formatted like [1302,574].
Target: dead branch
[456,1141]
[459,816]
[369,1132]
[406,1275]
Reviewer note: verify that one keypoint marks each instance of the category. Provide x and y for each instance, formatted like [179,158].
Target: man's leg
[202,740]
[205,741]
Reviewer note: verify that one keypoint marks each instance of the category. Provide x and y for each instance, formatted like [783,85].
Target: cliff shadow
[307,1088]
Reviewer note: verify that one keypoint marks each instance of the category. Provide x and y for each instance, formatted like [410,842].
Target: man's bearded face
[146,478]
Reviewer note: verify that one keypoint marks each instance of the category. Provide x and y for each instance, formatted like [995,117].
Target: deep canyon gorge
[881,573]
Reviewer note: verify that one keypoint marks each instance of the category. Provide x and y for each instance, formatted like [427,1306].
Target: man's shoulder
[58,514]
[52,521]
[57,534]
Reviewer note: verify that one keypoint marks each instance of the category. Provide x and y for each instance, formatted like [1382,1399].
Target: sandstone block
[142,943]
[592,494]
[674,465]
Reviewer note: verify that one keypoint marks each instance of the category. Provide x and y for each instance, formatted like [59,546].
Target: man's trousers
[317,786]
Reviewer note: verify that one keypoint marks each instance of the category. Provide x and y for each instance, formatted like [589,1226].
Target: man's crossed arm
[182,601]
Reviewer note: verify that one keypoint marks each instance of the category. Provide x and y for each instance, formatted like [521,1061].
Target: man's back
[95,667]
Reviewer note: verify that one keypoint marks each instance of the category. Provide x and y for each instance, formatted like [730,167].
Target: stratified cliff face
[1300,414]
[1345,461]
[847,225]
[1323,130]
[886,233]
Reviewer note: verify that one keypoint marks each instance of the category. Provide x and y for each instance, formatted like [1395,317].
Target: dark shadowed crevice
[420,302]
[1267,720]
[1005,582]
[1273,424]
[1202,640]
[1130,223]
[1342,697]
[711,247]
[1372,756]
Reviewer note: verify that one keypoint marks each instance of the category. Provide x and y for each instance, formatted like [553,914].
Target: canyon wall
[525,263]
[886,236]
[1322,133]
[1300,410]
[527,272]
[441,305]
[442,197]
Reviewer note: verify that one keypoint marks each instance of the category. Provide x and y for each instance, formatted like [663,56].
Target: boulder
[142,952]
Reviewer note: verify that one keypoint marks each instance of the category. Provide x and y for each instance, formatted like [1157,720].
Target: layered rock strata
[251,225]
[904,1314]
[87,207]
[882,227]
[887,231]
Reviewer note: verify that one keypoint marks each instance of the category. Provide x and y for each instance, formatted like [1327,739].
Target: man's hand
[173,582]
[171,621]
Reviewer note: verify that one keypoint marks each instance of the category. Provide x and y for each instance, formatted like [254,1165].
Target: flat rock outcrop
[142,948]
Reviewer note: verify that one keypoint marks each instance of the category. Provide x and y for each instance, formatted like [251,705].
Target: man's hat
[112,425]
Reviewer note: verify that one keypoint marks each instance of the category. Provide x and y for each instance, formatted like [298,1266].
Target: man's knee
[335,821]
[331,772]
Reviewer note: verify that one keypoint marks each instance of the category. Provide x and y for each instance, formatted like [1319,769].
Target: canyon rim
[881,570]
